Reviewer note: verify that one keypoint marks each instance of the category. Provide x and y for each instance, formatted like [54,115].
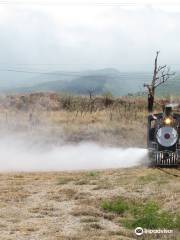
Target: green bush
[92,174]
[148,215]
[118,206]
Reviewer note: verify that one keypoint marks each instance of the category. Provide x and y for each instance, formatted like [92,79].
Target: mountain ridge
[99,81]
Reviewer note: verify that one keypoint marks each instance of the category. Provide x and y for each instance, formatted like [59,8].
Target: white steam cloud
[17,155]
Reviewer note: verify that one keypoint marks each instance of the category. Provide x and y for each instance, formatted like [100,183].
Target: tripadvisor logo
[139,231]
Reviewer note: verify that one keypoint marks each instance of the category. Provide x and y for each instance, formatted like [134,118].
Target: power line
[57,72]
[36,72]
[124,75]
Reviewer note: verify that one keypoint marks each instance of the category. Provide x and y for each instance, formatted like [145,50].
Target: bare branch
[161,67]
[164,77]
[91,92]
[148,86]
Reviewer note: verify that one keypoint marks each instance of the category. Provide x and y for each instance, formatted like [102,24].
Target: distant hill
[103,80]
[100,81]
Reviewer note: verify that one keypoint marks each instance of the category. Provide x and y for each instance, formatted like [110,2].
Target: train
[163,138]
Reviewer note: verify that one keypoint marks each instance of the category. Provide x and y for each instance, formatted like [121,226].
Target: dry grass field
[84,205]
[88,205]
[106,120]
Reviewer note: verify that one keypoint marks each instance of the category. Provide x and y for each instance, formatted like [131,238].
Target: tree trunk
[151,89]
[150,102]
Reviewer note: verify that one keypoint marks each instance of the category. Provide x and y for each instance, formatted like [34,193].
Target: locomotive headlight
[168,120]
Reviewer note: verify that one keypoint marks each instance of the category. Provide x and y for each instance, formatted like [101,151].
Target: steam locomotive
[163,138]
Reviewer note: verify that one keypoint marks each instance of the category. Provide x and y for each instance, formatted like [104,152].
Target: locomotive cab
[163,138]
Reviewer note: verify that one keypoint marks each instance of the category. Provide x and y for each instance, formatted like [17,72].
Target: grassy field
[89,205]
[85,205]
[102,119]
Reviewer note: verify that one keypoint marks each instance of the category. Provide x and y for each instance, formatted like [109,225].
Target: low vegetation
[147,215]
[117,206]
[103,119]
[57,206]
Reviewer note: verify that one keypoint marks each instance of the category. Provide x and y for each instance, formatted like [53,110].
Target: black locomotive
[163,138]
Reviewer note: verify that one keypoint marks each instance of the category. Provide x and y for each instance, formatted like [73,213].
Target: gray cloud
[83,37]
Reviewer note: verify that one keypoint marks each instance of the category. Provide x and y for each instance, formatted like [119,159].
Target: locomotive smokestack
[168,111]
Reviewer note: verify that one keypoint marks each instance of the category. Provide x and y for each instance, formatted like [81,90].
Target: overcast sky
[89,36]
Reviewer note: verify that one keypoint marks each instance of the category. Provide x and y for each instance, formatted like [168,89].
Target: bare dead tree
[161,75]
[91,92]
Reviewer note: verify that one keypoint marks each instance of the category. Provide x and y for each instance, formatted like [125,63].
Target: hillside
[103,80]
[100,81]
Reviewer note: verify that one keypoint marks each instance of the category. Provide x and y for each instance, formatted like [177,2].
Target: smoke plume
[20,155]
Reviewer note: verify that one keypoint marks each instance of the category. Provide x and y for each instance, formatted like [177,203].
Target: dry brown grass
[44,209]
[123,122]
[76,118]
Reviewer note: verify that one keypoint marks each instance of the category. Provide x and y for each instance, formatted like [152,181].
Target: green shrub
[92,174]
[118,206]
[148,215]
